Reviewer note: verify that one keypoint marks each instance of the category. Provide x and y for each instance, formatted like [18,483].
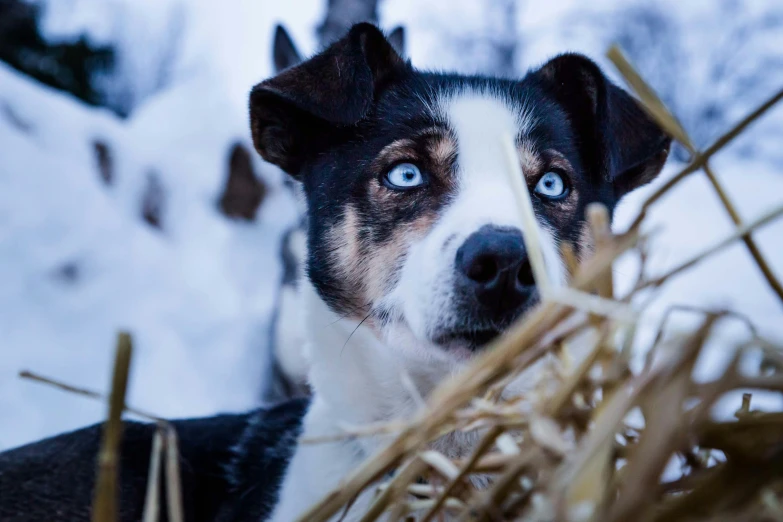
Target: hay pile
[581,454]
[578,456]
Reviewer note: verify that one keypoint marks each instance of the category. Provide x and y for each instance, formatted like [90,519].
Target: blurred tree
[503,42]
[148,51]
[710,66]
[243,191]
[153,201]
[342,14]
[72,67]
[474,37]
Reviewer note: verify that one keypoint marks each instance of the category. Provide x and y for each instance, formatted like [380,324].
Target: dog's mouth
[472,339]
[477,332]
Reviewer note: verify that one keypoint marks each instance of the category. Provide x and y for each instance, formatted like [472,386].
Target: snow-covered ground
[77,262]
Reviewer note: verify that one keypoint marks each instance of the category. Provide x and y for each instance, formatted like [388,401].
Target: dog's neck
[358,381]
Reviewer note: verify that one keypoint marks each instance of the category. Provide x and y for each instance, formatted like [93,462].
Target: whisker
[349,313]
[354,331]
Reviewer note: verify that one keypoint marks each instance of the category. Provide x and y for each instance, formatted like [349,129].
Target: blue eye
[404,176]
[551,185]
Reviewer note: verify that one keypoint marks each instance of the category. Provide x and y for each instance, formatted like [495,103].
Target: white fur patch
[290,326]
[484,197]
[358,379]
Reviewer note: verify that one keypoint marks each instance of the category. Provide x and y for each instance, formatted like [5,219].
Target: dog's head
[413,226]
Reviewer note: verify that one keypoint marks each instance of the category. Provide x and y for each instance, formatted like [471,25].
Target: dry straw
[577,456]
[572,448]
[107,483]
[164,445]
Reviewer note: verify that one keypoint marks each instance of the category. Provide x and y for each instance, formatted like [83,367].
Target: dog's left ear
[618,139]
[294,112]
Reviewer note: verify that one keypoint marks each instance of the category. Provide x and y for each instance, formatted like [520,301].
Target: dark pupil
[408,175]
[549,183]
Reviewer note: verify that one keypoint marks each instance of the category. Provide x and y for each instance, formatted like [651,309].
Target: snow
[197,295]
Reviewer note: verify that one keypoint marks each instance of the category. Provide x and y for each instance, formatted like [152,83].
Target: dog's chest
[318,468]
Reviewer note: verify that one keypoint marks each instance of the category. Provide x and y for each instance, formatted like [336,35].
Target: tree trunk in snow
[342,14]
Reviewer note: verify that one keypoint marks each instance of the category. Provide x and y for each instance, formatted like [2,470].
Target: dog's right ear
[618,140]
[293,111]
[283,50]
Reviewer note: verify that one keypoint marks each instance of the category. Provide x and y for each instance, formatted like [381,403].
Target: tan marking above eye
[532,162]
[432,149]
[442,149]
[559,161]
[395,152]
[433,131]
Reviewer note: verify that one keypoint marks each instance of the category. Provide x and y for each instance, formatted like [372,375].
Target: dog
[415,261]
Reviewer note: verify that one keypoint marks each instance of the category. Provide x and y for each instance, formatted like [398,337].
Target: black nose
[493,266]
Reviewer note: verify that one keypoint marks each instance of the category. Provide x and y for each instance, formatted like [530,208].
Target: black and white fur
[405,283]
[387,310]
